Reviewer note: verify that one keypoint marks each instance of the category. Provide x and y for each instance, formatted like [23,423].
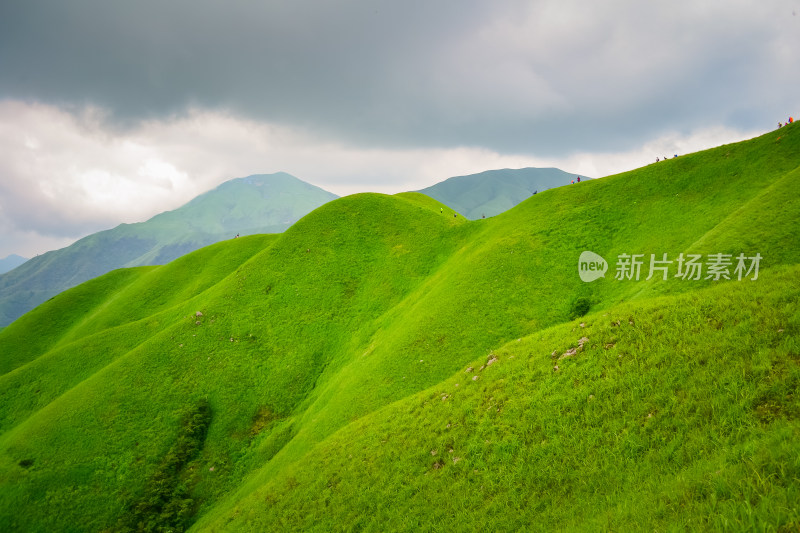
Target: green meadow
[385,365]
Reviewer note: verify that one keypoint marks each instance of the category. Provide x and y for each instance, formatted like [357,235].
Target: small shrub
[579,307]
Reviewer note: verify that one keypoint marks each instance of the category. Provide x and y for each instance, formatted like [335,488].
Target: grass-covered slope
[490,193]
[255,204]
[255,388]
[677,413]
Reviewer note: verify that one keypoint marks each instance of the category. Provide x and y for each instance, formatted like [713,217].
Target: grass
[325,354]
[644,426]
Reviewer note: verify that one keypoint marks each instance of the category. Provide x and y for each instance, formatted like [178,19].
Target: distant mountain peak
[260,203]
[11,262]
[492,192]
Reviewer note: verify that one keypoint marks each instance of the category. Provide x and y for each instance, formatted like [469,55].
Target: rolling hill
[267,203]
[489,193]
[383,366]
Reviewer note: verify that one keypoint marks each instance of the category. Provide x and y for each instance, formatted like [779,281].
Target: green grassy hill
[255,204]
[490,193]
[382,365]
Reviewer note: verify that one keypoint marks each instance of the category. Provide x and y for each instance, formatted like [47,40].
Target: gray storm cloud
[113,111]
[515,76]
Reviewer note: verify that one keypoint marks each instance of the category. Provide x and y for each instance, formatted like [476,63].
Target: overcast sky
[114,111]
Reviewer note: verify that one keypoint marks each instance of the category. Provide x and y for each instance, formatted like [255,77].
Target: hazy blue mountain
[494,191]
[11,262]
[265,203]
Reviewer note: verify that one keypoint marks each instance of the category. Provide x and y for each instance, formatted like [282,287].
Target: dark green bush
[579,307]
[166,504]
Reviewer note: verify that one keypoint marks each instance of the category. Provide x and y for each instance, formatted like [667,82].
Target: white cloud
[66,174]
[603,164]
[29,244]
[63,172]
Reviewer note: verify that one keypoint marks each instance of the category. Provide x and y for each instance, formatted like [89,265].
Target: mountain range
[265,203]
[384,366]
